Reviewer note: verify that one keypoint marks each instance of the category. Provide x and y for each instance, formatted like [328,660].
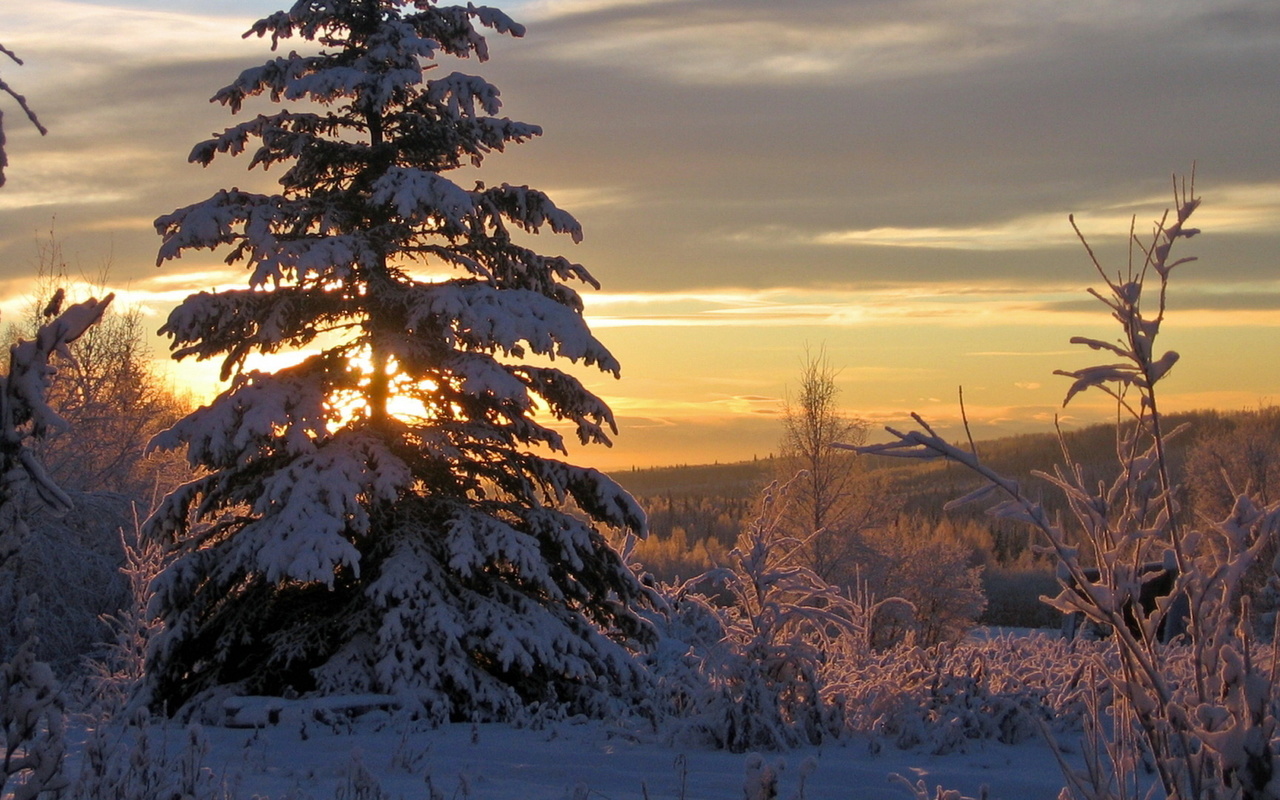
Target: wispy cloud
[958,305]
[113,33]
[1250,208]
[827,41]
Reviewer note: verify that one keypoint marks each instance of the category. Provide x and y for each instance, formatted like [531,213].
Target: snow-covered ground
[577,761]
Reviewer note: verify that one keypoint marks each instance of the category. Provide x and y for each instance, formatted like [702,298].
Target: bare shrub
[834,502]
[932,574]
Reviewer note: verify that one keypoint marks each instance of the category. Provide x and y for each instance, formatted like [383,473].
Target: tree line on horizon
[696,512]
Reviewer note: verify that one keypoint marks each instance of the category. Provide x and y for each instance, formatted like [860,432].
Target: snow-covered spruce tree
[339,544]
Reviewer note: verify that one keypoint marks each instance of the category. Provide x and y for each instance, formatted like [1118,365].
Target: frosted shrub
[761,781]
[118,669]
[764,654]
[359,783]
[1200,711]
[944,698]
[761,637]
[920,790]
[932,575]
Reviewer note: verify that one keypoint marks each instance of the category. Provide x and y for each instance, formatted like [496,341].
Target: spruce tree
[386,516]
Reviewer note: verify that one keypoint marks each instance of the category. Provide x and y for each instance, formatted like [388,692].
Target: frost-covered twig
[22,104]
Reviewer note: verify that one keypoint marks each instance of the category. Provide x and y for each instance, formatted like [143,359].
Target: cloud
[992,123]
[823,41]
[1195,305]
[1247,208]
[109,34]
[836,307]
[699,141]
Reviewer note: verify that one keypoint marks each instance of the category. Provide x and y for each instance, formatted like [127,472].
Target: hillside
[697,512]
[925,487]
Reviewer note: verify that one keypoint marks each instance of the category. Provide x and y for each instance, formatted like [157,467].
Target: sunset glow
[890,181]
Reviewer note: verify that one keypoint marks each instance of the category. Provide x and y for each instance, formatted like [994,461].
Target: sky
[885,181]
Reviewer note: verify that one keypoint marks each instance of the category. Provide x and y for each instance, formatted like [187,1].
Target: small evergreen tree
[335,546]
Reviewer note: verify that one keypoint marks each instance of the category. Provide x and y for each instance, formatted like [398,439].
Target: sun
[409,400]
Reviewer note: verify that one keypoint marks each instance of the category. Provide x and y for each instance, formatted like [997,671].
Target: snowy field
[573,761]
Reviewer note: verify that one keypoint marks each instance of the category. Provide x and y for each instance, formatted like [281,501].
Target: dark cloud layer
[711,142]
[1038,115]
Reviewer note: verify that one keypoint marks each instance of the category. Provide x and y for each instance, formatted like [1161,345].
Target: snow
[315,754]
[481,317]
[418,195]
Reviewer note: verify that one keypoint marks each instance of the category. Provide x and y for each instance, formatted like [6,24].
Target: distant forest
[697,512]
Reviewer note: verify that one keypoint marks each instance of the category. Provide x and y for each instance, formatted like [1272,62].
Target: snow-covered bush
[81,546]
[385,515]
[121,762]
[31,719]
[1199,710]
[745,658]
[762,654]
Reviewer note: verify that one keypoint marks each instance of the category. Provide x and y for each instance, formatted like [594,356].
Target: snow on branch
[418,195]
[529,209]
[285,412]
[569,399]
[461,93]
[285,135]
[213,222]
[481,317]
[236,322]
[24,411]
[594,492]
[311,508]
